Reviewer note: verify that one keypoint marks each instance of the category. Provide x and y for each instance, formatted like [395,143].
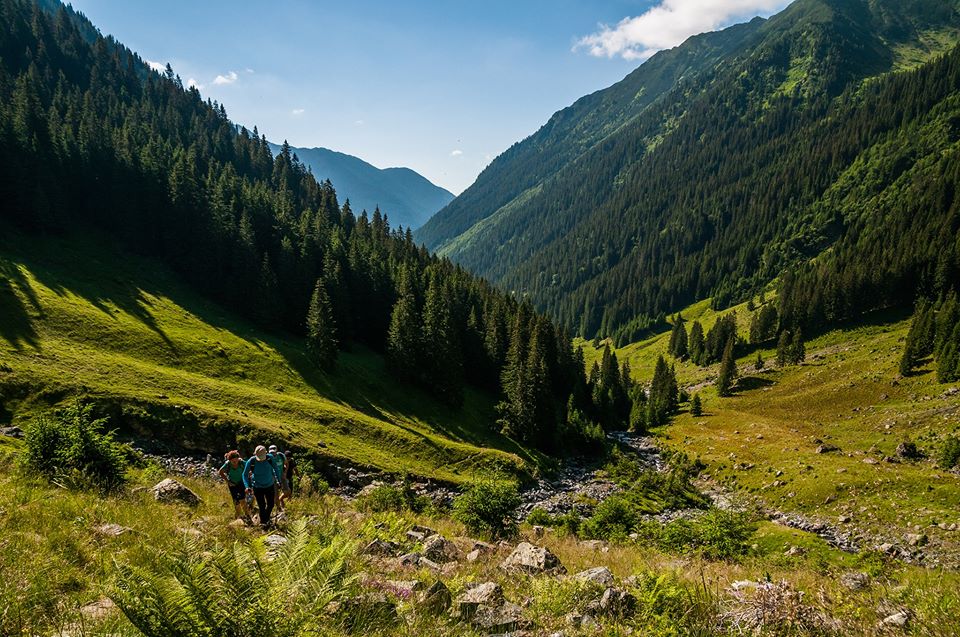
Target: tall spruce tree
[783,348]
[678,339]
[696,345]
[321,330]
[728,370]
[404,337]
[442,367]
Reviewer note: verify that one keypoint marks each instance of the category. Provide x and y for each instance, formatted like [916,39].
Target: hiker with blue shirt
[260,477]
[232,473]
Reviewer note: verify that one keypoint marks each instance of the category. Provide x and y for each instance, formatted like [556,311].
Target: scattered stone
[427,562]
[613,602]
[474,555]
[170,491]
[436,599]
[827,448]
[538,531]
[916,539]
[886,547]
[908,450]
[274,541]
[533,560]
[383,548]
[897,620]
[403,588]
[795,551]
[98,610]
[505,618]
[238,523]
[409,559]
[11,432]
[467,604]
[855,581]
[600,575]
[111,530]
[596,545]
[439,549]
[844,519]
[578,620]
[416,536]
[870,461]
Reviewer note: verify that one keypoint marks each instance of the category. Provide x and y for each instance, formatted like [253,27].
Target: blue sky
[441,87]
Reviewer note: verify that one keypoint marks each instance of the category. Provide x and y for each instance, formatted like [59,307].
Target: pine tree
[696,406]
[404,339]
[321,331]
[728,371]
[948,363]
[678,339]
[783,348]
[797,352]
[758,365]
[443,368]
[696,344]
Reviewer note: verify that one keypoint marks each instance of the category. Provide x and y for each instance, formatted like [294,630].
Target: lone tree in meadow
[696,406]
[783,348]
[321,330]
[728,370]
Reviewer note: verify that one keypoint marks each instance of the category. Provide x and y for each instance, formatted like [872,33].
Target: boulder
[505,618]
[436,599]
[439,549]
[274,541]
[381,548]
[486,594]
[600,575]
[171,491]
[534,560]
[908,450]
[579,620]
[409,559]
[916,539]
[11,432]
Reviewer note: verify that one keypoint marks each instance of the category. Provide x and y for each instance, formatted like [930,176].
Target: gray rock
[170,490]
[855,581]
[600,575]
[505,618]
[11,432]
[613,602]
[436,599]
[441,550]
[380,547]
[531,559]
[897,620]
[916,539]
[409,559]
[111,530]
[274,541]
[403,588]
[580,620]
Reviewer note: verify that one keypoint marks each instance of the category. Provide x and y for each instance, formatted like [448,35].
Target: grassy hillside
[78,317]
[848,394]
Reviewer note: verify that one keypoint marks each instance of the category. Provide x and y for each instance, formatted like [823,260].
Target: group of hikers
[266,476]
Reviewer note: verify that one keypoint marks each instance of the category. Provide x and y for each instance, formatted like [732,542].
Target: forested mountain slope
[756,161]
[94,143]
[404,195]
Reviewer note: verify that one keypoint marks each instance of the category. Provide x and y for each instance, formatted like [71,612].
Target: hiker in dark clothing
[260,478]
[232,473]
[289,475]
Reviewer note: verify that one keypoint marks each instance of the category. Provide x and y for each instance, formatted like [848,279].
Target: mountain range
[789,144]
[404,195]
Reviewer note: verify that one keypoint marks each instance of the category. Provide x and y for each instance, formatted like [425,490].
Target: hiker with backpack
[260,478]
[289,475]
[232,473]
[280,464]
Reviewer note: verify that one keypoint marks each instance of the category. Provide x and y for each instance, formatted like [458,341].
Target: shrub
[613,519]
[540,517]
[717,534]
[71,448]
[487,506]
[949,453]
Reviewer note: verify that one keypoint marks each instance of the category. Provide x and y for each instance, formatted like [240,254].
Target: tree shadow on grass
[749,383]
[16,326]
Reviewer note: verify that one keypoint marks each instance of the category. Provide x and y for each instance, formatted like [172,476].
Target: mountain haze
[408,198]
[716,166]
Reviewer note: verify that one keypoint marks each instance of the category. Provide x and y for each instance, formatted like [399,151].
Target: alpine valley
[685,361]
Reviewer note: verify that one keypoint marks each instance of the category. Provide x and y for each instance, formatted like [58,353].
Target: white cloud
[250,71]
[669,24]
[359,122]
[192,83]
[456,153]
[229,78]
[159,67]
[298,111]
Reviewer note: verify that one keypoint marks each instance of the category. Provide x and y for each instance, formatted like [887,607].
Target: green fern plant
[241,590]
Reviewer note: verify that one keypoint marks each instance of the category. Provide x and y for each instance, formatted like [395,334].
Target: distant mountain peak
[407,198]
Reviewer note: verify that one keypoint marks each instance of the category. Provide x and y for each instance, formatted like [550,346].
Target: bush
[388,497]
[949,453]
[540,517]
[72,449]
[487,507]
[716,535]
[613,519]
